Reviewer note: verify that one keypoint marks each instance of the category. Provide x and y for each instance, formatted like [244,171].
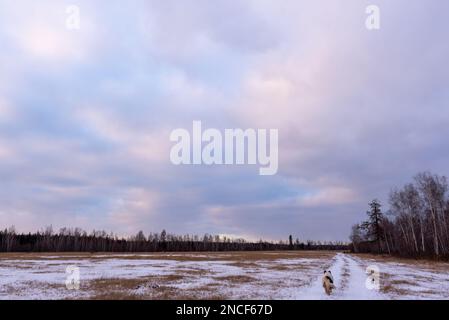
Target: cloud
[39,33]
[328,196]
[85,115]
[6,112]
[133,210]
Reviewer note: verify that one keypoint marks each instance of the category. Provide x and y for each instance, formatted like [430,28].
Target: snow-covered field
[267,275]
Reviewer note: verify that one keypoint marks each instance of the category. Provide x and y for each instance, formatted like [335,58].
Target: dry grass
[412,284]
[179,283]
[243,264]
[421,263]
[390,286]
[128,289]
[235,279]
[345,277]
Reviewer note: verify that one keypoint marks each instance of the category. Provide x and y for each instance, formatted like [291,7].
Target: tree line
[78,240]
[416,223]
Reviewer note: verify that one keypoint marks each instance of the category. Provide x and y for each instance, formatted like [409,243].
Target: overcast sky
[86,114]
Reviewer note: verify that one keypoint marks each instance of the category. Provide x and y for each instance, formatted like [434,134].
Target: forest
[416,223]
[78,240]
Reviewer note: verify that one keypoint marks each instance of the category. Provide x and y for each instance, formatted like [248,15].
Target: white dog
[328,282]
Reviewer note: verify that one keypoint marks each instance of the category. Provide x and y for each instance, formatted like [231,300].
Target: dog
[328,282]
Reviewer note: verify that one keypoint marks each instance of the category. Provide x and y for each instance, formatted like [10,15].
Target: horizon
[147,234]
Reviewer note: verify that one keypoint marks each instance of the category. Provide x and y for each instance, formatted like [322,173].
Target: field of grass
[227,275]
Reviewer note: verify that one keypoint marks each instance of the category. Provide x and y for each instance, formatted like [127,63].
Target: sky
[86,113]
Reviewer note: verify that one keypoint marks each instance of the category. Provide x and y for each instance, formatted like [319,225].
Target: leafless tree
[420,220]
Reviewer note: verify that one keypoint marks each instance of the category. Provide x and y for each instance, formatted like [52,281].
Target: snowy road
[350,277]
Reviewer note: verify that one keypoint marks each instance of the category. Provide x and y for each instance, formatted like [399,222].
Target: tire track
[349,278]
[315,291]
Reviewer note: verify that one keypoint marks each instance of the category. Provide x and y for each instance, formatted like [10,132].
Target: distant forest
[77,240]
[415,225]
